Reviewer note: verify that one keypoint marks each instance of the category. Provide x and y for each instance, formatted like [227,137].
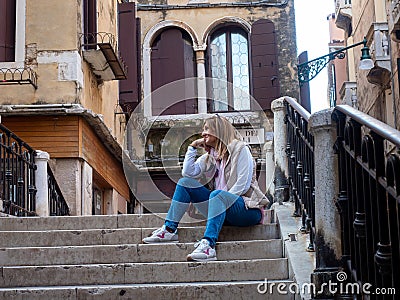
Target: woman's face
[208,136]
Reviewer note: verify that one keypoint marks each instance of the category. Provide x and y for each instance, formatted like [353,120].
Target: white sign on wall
[253,136]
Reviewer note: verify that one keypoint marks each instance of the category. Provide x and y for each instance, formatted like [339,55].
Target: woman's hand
[198,143]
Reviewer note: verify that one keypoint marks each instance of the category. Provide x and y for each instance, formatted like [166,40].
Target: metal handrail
[384,130]
[368,198]
[300,109]
[300,153]
[57,204]
[17,175]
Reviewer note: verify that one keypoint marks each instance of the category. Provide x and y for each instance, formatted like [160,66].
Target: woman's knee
[188,182]
[215,193]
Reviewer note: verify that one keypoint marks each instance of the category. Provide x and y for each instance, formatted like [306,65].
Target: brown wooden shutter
[170,61]
[7,30]
[129,46]
[90,23]
[264,62]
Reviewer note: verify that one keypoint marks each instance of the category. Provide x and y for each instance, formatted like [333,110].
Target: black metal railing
[9,76]
[369,199]
[57,204]
[17,169]
[93,41]
[300,152]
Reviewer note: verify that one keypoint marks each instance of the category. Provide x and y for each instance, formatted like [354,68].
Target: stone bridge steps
[53,238]
[107,254]
[156,272]
[201,290]
[101,257]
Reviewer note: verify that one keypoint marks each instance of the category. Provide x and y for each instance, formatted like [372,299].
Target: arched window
[245,64]
[228,61]
[172,59]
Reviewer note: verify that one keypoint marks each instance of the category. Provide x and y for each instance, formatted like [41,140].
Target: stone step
[159,272]
[53,238]
[87,222]
[186,290]
[112,254]
[97,222]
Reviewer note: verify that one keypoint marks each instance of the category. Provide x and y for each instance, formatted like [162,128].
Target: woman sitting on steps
[232,196]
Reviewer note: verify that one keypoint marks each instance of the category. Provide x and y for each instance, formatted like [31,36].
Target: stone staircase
[101,257]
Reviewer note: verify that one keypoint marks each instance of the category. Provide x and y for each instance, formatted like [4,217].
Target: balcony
[378,34]
[343,15]
[348,93]
[100,51]
[18,76]
[394,20]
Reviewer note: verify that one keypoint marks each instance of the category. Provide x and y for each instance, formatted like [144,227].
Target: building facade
[376,88]
[59,92]
[203,57]
[74,72]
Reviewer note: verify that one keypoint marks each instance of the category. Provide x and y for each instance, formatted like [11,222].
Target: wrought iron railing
[17,169]
[369,198]
[300,152]
[57,204]
[9,76]
[92,41]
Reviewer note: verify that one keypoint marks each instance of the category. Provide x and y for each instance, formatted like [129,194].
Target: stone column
[327,219]
[147,82]
[87,189]
[201,82]
[269,167]
[42,186]
[280,158]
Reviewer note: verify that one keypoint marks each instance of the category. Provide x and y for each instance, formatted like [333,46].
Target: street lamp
[308,70]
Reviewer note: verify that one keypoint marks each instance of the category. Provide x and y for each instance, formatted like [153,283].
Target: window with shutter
[228,61]
[7,30]
[172,59]
[129,46]
[264,61]
[90,23]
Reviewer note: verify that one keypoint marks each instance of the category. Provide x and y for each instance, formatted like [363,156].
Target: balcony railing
[17,169]
[9,76]
[348,94]
[343,15]
[394,20]
[369,198]
[299,149]
[100,50]
[379,37]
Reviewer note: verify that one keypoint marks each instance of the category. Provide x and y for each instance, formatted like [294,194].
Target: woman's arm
[244,172]
[191,167]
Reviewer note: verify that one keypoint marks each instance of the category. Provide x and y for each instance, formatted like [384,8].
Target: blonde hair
[224,131]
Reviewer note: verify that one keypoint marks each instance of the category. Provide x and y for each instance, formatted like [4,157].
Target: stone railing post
[327,219]
[42,185]
[280,142]
[269,167]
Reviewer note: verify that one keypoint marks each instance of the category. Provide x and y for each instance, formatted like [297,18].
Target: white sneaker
[161,235]
[203,252]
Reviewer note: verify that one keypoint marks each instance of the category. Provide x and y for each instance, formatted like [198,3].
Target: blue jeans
[220,207]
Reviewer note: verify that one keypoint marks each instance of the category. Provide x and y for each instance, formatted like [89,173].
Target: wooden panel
[128,45]
[172,59]
[7,30]
[56,135]
[264,62]
[102,161]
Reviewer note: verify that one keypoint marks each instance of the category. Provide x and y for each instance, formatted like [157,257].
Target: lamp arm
[310,69]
